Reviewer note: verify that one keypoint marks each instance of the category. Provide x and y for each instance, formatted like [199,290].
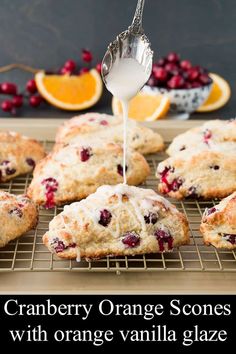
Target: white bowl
[183,100]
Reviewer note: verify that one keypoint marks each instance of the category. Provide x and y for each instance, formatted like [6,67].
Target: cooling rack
[29,254]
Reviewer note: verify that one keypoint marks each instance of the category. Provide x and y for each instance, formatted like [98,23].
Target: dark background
[45,33]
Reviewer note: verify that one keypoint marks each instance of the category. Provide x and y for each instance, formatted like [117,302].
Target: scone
[18,214]
[18,155]
[218,225]
[73,172]
[209,173]
[103,128]
[117,220]
[207,135]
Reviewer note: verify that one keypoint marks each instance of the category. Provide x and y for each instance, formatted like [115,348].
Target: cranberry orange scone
[106,128]
[209,173]
[18,155]
[117,220]
[204,137]
[218,225]
[73,172]
[18,214]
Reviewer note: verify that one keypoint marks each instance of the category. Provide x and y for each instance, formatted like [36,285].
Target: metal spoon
[132,43]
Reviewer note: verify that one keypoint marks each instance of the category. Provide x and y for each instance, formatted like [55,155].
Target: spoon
[132,43]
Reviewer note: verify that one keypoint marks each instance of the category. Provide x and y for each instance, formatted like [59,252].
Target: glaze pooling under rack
[29,254]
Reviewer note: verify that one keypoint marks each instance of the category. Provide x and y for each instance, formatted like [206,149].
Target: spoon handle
[136,26]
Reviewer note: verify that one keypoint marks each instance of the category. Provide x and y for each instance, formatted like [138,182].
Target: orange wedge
[70,92]
[144,107]
[219,95]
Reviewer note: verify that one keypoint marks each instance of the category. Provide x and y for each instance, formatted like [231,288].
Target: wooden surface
[108,283]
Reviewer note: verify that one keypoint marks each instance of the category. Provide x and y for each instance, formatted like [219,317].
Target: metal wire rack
[28,253]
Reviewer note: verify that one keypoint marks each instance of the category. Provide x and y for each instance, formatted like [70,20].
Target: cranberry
[87,56]
[51,186]
[6,106]
[31,86]
[85,154]
[164,237]
[187,85]
[120,169]
[175,184]
[99,67]
[17,101]
[210,211]
[104,122]
[35,101]
[152,81]
[105,217]
[193,74]
[170,186]
[192,192]
[161,62]
[30,162]
[182,148]
[204,79]
[65,71]
[70,65]
[161,74]
[16,211]
[8,88]
[10,171]
[195,85]
[215,167]
[230,238]
[5,162]
[151,218]
[173,57]
[185,64]
[59,245]
[207,134]
[83,71]
[176,82]
[131,239]
[171,68]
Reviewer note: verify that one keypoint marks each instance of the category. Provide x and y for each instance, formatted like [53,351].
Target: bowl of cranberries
[187,86]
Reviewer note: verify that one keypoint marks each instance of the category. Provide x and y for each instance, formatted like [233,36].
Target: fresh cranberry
[65,71]
[173,57]
[104,122]
[171,68]
[30,162]
[16,211]
[105,217]
[10,171]
[120,169]
[161,62]
[161,74]
[204,79]
[35,101]
[59,245]
[151,218]
[17,101]
[99,67]
[195,85]
[87,56]
[83,71]
[6,106]
[70,65]
[230,238]
[8,88]
[131,239]
[185,64]
[187,85]
[31,86]
[207,134]
[152,81]
[210,211]
[176,82]
[85,154]
[193,74]
[164,237]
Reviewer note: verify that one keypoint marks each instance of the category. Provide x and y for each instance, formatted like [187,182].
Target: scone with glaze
[73,172]
[197,173]
[204,137]
[218,225]
[18,214]
[105,128]
[118,220]
[18,155]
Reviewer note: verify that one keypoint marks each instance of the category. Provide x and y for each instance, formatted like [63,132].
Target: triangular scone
[18,214]
[207,135]
[218,225]
[73,172]
[109,129]
[194,173]
[18,155]
[117,220]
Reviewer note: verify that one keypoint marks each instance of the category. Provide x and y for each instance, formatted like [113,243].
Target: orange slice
[144,107]
[70,92]
[219,95]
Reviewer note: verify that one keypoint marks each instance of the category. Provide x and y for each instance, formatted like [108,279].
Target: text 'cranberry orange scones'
[218,225]
[207,135]
[106,128]
[18,155]
[199,173]
[18,214]
[73,172]
[117,220]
